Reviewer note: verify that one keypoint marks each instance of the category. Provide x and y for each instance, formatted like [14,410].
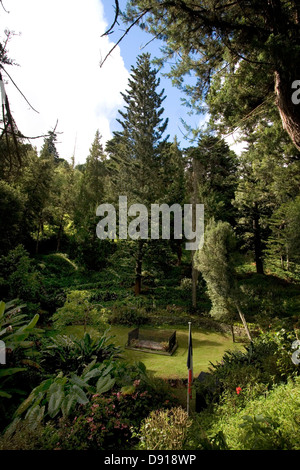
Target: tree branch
[1,66]
[122,37]
[3,7]
[115,20]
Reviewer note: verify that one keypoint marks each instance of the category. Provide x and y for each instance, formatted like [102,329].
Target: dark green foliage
[216,262]
[21,371]
[77,310]
[49,150]
[104,417]
[19,276]
[270,300]
[91,252]
[106,422]
[237,54]
[265,362]
[215,169]
[64,353]
[60,395]
[267,422]
[11,208]
[129,316]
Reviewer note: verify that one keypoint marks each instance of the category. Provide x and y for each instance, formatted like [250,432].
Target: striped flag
[190,364]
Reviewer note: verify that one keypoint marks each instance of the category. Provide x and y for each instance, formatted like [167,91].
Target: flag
[190,363]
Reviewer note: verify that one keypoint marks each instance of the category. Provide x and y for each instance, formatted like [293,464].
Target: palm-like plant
[14,333]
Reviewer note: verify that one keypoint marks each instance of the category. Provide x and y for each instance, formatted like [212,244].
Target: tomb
[152,341]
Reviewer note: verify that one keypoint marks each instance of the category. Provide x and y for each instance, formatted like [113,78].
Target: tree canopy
[244,55]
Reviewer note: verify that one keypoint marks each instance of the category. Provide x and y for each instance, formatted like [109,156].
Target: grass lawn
[207,347]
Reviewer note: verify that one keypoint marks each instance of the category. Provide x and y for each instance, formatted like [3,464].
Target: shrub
[100,295]
[20,277]
[128,316]
[270,354]
[164,430]
[270,421]
[20,370]
[60,395]
[106,423]
[57,264]
[24,438]
[77,310]
[65,353]
[255,370]
[85,412]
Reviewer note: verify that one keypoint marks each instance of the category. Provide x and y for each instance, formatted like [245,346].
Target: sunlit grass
[207,347]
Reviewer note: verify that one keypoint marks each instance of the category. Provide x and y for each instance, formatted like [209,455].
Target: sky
[58,47]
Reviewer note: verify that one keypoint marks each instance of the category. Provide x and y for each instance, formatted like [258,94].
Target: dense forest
[67,381]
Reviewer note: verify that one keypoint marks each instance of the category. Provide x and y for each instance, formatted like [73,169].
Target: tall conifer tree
[136,149]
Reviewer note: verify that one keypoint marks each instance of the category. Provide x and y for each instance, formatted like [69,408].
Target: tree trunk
[244,322]
[138,269]
[37,239]
[257,241]
[232,333]
[289,111]
[195,275]
[179,253]
[59,234]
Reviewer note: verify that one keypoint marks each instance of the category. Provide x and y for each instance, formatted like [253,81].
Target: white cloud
[236,143]
[59,51]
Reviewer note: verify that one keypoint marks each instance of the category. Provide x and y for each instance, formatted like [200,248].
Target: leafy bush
[164,430]
[59,395]
[64,353]
[99,420]
[20,369]
[101,295]
[51,300]
[270,354]
[57,264]
[25,437]
[255,370]
[128,316]
[20,276]
[77,310]
[271,421]
[106,422]
[269,296]
[91,254]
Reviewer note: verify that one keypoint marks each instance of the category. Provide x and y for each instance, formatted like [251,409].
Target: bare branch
[19,134]
[122,37]
[115,20]
[1,66]
[1,2]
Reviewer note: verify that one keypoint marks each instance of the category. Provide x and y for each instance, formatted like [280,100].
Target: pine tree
[216,261]
[91,193]
[49,149]
[135,150]
[174,185]
[283,245]
[213,169]
[269,177]
[143,128]
[215,172]
[245,55]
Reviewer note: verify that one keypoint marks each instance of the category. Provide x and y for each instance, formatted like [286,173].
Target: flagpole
[189,364]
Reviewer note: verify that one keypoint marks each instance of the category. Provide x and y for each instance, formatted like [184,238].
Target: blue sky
[58,47]
[136,42]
